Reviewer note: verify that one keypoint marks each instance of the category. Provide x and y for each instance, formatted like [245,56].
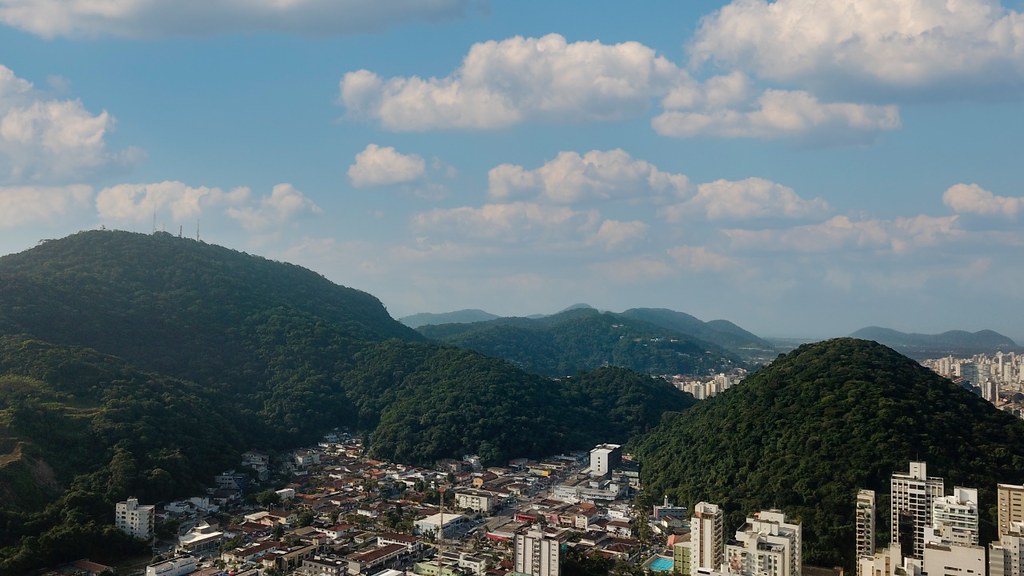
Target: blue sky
[800,168]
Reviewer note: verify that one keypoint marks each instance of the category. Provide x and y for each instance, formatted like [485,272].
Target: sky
[801,168]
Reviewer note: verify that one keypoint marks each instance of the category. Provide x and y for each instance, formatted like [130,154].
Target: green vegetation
[720,332]
[143,364]
[584,339]
[804,433]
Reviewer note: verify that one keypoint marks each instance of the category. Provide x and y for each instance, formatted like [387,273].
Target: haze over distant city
[801,168]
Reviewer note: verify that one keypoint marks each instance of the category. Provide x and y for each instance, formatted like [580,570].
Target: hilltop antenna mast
[179,230]
[154,221]
[197,229]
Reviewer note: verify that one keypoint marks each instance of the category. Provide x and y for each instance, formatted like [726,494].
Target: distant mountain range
[953,342]
[457,317]
[653,340]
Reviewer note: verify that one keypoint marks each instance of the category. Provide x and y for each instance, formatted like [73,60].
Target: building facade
[912,495]
[136,520]
[1011,506]
[767,545]
[707,537]
[865,526]
[536,554]
[955,517]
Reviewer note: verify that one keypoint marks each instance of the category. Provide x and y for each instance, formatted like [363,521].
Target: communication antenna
[179,230]
[197,229]
[154,221]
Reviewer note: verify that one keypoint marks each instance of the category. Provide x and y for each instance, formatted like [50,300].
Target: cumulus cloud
[744,199]
[904,44]
[973,199]
[842,233]
[502,83]
[148,18]
[139,202]
[21,205]
[508,222]
[48,140]
[284,204]
[570,178]
[778,114]
[381,166]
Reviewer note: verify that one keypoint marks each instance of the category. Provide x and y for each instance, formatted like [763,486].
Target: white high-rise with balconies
[707,537]
[955,517]
[1006,557]
[136,520]
[536,554]
[767,545]
[911,498]
[865,525]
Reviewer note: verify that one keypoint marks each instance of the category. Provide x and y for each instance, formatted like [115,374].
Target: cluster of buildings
[701,388]
[768,544]
[344,514]
[998,378]
[937,534]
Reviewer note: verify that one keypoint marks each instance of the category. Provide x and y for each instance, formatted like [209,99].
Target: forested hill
[804,433]
[176,305]
[139,365]
[720,332]
[584,339]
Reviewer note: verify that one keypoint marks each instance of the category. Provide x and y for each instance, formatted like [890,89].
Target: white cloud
[973,199]
[148,18]
[893,44]
[140,202]
[700,259]
[779,114]
[21,205]
[47,140]
[284,204]
[840,233]
[745,199]
[570,178]
[508,222]
[500,84]
[615,234]
[381,166]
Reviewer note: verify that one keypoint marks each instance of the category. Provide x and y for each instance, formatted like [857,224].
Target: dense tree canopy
[584,339]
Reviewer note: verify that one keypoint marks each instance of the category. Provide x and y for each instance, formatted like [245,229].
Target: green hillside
[584,339]
[804,433]
[141,365]
[720,332]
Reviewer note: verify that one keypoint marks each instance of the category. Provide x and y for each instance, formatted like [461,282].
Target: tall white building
[1010,499]
[912,495]
[865,525]
[134,519]
[536,554]
[604,458]
[955,517]
[707,537]
[766,546]
[1006,557]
